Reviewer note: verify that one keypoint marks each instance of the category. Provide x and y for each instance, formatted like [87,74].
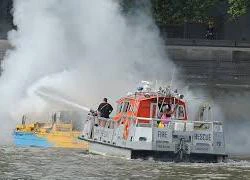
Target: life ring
[126,130]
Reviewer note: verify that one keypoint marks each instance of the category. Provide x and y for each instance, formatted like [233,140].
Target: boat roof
[143,96]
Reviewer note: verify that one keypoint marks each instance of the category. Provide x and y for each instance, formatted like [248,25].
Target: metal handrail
[157,119]
[172,120]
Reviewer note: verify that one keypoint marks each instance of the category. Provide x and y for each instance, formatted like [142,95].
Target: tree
[180,11]
[238,8]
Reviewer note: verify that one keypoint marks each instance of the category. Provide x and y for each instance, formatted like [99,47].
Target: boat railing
[104,122]
[174,124]
[183,124]
[177,120]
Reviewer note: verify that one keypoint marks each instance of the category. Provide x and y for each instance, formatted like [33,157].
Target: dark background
[5,18]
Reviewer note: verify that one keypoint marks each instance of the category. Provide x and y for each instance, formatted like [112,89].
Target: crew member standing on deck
[105,108]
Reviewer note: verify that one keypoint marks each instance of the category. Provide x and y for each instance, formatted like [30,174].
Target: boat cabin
[144,107]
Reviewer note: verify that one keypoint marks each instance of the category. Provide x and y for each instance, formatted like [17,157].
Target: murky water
[35,163]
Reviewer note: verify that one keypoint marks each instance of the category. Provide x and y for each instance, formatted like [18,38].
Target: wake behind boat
[155,124]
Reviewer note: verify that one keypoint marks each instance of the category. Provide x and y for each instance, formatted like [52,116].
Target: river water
[37,163]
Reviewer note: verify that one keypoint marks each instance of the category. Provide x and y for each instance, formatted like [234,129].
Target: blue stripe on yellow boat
[23,139]
[47,135]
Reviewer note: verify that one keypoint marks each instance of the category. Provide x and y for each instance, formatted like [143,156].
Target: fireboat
[137,131]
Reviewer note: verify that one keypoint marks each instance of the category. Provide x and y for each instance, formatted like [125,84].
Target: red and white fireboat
[138,129]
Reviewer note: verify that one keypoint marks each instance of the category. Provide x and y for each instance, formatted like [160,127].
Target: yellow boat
[54,134]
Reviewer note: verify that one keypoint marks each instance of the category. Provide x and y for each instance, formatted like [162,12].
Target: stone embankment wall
[213,65]
[4,45]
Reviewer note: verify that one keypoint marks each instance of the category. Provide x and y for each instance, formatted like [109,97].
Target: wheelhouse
[145,107]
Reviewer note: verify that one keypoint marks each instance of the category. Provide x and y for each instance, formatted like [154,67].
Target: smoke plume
[235,106]
[83,49]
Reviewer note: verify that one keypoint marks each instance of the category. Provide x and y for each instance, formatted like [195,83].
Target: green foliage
[238,8]
[180,11]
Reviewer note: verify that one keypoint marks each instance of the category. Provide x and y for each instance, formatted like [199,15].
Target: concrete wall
[237,29]
[5,18]
[212,65]
[232,54]
[4,45]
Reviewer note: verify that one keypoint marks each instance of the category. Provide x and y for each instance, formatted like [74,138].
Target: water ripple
[46,164]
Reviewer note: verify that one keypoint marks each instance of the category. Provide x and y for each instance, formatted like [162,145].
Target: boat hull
[109,150]
[47,140]
[23,139]
[101,148]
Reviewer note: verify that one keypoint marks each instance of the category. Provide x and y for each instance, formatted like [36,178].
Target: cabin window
[153,110]
[126,107]
[180,112]
[161,107]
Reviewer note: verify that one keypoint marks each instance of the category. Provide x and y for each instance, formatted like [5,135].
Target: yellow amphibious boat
[56,133]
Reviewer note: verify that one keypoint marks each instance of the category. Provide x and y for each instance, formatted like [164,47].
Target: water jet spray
[62,100]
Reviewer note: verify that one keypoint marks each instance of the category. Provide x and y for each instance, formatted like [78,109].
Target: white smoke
[83,49]
[235,106]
